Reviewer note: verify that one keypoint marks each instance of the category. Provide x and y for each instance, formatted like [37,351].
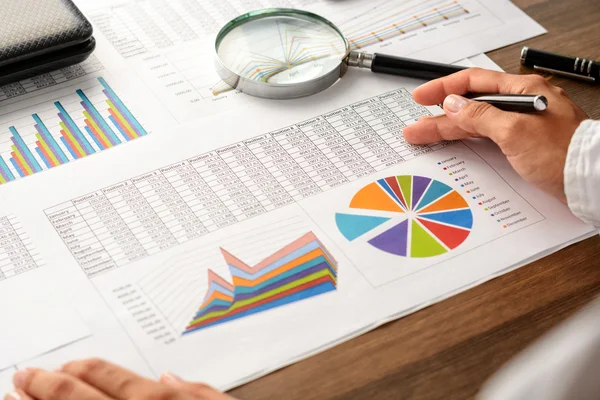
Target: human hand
[99,380]
[536,145]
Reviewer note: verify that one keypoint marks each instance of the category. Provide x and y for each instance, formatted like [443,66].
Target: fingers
[18,395]
[115,381]
[464,119]
[44,385]
[199,390]
[480,118]
[477,80]
[434,129]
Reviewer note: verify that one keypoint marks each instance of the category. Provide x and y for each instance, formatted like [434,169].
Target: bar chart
[88,121]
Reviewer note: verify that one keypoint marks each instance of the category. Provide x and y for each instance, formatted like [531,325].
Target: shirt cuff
[582,172]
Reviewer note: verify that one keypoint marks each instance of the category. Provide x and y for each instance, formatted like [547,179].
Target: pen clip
[566,74]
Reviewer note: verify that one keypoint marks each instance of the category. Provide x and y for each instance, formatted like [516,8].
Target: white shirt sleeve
[582,173]
[565,363]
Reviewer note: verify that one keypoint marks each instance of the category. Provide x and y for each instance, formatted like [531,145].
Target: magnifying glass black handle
[401,66]
[426,70]
[411,68]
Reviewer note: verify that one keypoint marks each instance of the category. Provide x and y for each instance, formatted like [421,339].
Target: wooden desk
[448,350]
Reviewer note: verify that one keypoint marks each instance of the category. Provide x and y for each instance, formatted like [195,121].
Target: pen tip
[524,51]
[540,103]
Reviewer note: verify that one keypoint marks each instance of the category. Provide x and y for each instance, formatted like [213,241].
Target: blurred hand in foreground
[99,380]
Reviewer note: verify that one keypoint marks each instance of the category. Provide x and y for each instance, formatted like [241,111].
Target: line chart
[389,22]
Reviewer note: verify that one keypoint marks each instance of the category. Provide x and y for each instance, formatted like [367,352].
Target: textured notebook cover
[31,28]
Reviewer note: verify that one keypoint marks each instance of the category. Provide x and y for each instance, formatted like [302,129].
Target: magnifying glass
[281,53]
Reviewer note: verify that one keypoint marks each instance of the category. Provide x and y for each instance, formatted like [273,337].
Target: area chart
[300,270]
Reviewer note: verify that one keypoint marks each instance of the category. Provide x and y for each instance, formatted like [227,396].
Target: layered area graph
[62,136]
[300,270]
[408,216]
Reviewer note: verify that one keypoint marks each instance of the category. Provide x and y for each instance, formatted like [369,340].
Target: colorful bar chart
[103,125]
[300,270]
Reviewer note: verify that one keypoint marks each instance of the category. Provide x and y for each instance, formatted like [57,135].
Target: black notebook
[38,36]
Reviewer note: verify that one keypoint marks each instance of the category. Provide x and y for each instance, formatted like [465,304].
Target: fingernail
[13,396]
[454,103]
[170,377]
[19,379]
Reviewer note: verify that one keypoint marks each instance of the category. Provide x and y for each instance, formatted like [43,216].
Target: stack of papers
[179,225]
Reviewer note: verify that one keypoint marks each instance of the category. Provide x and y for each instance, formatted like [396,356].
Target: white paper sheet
[6,375]
[170,46]
[170,78]
[151,197]
[31,330]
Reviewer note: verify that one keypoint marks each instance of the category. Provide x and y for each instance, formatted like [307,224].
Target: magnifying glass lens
[282,49]
[285,53]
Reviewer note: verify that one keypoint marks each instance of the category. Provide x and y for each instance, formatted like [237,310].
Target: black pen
[570,67]
[431,70]
[522,103]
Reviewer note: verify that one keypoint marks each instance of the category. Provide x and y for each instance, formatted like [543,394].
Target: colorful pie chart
[409,216]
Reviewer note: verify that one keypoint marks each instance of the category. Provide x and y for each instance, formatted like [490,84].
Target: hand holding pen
[535,144]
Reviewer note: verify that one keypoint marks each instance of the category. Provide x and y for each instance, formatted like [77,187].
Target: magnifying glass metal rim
[278,91]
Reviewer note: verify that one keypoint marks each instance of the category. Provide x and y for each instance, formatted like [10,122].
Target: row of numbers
[147,214]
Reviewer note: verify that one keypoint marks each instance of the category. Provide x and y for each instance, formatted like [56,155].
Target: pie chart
[407,215]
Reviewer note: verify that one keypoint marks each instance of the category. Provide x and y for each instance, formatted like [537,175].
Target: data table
[49,79]
[17,254]
[177,203]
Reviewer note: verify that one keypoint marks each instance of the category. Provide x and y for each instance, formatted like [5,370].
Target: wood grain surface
[448,350]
